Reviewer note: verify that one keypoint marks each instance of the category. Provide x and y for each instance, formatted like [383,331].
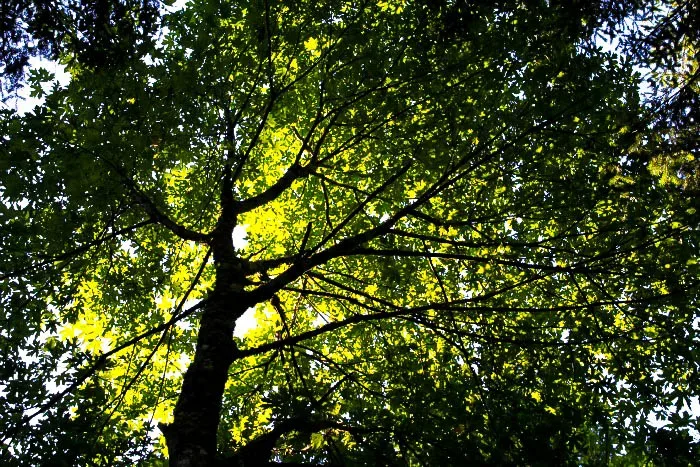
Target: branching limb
[153,211]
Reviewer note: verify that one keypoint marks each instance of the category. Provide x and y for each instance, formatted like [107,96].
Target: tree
[663,41]
[456,250]
[93,33]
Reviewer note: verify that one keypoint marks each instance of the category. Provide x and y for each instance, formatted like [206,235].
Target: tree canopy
[96,33]
[470,239]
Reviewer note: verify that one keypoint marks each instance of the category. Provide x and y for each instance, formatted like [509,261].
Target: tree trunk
[191,438]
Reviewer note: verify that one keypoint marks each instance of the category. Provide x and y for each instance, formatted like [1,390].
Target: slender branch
[243,158]
[268,40]
[296,170]
[280,344]
[76,251]
[379,190]
[475,259]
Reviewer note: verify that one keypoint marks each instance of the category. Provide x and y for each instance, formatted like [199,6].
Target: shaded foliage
[92,33]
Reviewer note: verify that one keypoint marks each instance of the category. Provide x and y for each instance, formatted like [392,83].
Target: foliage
[92,33]
[462,246]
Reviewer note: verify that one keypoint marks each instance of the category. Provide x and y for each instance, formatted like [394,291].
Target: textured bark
[191,438]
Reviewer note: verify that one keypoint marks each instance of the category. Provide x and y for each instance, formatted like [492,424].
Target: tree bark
[191,438]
